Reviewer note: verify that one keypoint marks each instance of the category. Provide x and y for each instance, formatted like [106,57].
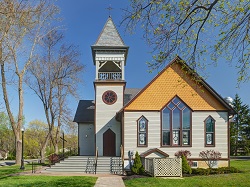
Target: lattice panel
[164,167]
[168,167]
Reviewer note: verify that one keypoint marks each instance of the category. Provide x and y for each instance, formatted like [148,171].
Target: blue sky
[83,21]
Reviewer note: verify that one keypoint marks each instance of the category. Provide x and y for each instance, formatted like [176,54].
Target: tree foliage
[239,128]
[186,169]
[137,167]
[186,154]
[34,137]
[22,25]
[194,30]
[7,138]
[56,83]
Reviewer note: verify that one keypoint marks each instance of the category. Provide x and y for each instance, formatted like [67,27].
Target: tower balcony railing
[109,76]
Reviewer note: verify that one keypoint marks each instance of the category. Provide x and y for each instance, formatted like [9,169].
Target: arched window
[142,132]
[209,131]
[176,124]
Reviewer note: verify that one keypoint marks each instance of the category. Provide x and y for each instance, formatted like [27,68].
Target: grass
[236,179]
[9,177]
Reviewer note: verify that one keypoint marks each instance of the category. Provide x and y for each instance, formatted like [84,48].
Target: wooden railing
[109,76]
[122,157]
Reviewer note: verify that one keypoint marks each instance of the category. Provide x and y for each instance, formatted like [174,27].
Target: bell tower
[109,56]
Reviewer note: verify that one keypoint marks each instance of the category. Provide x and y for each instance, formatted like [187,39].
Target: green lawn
[227,180]
[20,180]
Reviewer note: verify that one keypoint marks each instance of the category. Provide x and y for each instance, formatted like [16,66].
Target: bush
[210,157]
[214,171]
[137,167]
[185,153]
[11,156]
[200,171]
[53,158]
[186,169]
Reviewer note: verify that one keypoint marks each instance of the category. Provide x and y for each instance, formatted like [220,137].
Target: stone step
[79,164]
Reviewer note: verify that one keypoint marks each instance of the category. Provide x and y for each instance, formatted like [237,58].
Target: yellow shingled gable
[169,83]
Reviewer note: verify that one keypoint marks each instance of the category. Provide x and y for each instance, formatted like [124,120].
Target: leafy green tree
[194,29]
[239,129]
[34,137]
[137,167]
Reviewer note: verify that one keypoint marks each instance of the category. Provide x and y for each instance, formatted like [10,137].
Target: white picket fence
[163,167]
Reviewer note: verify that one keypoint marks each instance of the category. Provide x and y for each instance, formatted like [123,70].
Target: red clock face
[109,97]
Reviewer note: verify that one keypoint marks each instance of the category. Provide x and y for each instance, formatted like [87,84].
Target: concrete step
[79,164]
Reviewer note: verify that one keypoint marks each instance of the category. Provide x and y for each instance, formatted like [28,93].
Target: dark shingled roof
[85,112]
[130,93]
[109,35]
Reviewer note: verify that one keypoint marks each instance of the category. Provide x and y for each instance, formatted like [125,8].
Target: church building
[173,112]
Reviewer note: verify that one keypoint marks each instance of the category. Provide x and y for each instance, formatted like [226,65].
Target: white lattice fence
[160,167]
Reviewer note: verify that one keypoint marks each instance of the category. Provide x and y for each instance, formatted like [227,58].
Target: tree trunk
[44,145]
[18,151]
[15,126]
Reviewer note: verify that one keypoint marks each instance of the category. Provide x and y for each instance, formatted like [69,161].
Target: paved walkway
[109,182]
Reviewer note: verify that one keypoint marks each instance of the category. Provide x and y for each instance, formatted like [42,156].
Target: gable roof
[175,80]
[85,112]
[154,150]
[109,35]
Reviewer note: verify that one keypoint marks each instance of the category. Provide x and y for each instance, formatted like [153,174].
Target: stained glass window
[142,124]
[209,135]
[176,124]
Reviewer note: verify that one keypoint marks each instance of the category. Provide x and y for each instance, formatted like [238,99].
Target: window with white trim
[194,164]
[176,124]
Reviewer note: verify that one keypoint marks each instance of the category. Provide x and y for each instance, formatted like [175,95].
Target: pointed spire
[109,35]
[109,8]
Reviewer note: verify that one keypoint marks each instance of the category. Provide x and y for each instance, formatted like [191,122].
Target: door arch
[109,143]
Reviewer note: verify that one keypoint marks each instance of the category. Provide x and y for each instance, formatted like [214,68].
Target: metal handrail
[96,158]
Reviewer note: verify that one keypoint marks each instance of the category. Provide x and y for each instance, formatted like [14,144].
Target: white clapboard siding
[105,116]
[86,139]
[154,133]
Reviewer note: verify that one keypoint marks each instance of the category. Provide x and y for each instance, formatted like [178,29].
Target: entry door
[109,143]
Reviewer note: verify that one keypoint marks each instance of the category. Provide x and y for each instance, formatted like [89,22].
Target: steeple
[109,54]
[109,36]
